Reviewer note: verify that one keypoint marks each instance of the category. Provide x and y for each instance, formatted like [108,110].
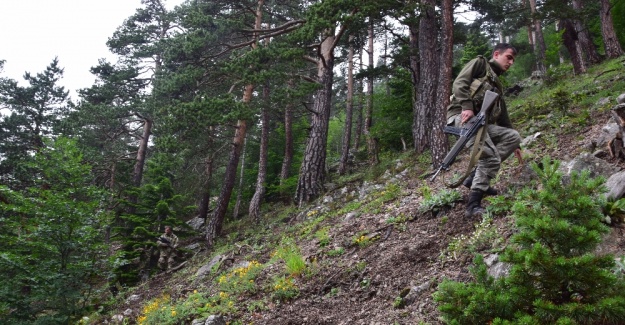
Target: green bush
[555,277]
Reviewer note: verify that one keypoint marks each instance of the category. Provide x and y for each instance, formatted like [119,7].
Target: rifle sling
[476,152]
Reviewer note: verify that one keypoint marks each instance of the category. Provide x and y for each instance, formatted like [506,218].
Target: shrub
[555,278]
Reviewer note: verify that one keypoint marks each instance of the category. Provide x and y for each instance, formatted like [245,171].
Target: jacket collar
[496,67]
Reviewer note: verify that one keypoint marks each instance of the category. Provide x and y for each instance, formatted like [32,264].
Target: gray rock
[603,101]
[621,99]
[198,321]
[215,320]
[616,186]
[499,270]
[350,216]
[128,312]
[196,223]
[587,161]
[117,319]
[608,132]
[530,139]
[194,247]
[206,269]
[133,298]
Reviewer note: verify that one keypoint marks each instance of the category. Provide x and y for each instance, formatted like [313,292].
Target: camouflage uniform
[167,252]
[501,140]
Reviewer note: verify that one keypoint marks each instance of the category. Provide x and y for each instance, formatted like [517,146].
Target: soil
[365,285]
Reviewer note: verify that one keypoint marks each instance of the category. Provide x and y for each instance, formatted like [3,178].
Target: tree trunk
[613,48]
[237,201]
[428,32]
[569,38]
[137,174]
[539,45]
[288,144]
[439,139]
[204,205]
[312,171]
[587,45]
[359,107]
[347,133]
[216,222]
[259,194]
[372,143]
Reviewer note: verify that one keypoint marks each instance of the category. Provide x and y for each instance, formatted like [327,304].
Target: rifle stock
[467,131]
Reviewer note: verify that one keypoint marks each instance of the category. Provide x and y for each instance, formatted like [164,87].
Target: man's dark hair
[502,47]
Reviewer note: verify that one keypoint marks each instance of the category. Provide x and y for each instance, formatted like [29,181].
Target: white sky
[33,32]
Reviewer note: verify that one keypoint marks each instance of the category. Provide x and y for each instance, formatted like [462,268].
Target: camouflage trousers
[166,259]
[499,144]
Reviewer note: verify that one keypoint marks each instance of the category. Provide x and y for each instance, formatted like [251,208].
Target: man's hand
[466,115]
[519,157]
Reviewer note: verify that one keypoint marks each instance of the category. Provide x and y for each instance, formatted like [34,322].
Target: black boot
[469,181]
[474,207]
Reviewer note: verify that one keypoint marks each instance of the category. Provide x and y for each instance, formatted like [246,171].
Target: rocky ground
[390,280]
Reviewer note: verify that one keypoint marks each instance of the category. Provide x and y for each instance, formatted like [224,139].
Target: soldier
[167,244]
[478,76]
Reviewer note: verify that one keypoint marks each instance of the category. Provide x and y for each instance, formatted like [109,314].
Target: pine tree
[555,277]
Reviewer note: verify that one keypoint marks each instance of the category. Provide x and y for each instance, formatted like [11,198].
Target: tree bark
[216,222]
[569,38]
[237,202]
[372,145]
[587,45]
[359,107]
[288,143]
[312,171]
[414,62]
[539,45]
[347,133]
[428,32]
[204,205]
[259,194]
[613,48]
[137,174]
[439,139]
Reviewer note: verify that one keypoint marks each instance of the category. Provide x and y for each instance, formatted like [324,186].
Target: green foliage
[31,114]
[555,277]
[240,280]
[284,289]
[52,241]
[485,236]
[615,210]
[292,257]
[445,198]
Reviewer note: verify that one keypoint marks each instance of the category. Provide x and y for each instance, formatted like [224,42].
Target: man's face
[168,230]
[505,59]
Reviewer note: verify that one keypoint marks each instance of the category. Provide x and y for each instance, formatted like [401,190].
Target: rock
[620,99]
[117,319]
[603,101]
[196,223]
[128,312]
[198,321]
[608,132]
[349,216]
[194,247]
[587,161]
[215,320]
[328,199]
[616,186]
[133,298]
[530,139]
[491,259]
[206,269]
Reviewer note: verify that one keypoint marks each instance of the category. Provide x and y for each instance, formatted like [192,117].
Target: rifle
[164,241]
[466,132]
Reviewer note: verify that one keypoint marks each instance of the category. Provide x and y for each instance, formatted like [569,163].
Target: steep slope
[373,249]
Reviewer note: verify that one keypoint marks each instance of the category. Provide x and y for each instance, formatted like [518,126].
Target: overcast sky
[33,32]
